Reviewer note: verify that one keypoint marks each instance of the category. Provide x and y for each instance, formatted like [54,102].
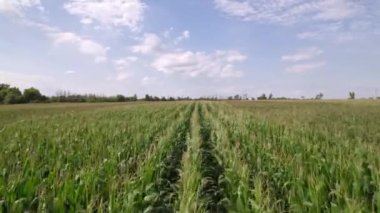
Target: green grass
[263,156]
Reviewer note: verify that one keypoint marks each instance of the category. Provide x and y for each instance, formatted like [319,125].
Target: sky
[194,48]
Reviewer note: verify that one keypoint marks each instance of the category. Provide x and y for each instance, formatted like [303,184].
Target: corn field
[243,156]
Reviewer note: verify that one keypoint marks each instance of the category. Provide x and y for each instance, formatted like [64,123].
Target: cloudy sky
[200,47]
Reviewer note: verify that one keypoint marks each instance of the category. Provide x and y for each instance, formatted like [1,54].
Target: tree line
[156,98]
[66,96]
[13,95]
[319,96]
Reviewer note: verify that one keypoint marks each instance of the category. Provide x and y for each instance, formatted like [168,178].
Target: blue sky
[193,48]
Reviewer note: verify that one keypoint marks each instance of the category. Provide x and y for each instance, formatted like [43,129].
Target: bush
[262,97]
[13,96]
[32,95]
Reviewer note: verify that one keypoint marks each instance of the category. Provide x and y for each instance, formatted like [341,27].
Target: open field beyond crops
[273,156]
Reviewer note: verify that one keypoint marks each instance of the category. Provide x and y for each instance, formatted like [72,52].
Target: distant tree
[319,96]
[90,98]
[284,98]
[148,98]
[44,98]
[120,98]
[13,96]
[3,91]
[32,95]
[230,98]
[262,97]
[132,98]
[351,95]
[237,97]
[270,97]
[253,99]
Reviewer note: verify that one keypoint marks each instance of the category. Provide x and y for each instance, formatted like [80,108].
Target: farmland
[191,156]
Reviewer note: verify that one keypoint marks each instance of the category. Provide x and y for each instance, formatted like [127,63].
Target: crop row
[305,170]
[155,187]
[77,161]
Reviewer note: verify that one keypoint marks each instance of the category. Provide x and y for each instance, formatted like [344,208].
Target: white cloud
[124,63]
[340,32]
[122,67]
[122,76]
[303,54]
[323,31]
[70,72]
[188,63]
[44,27]
[184,36]
[306,67]
[147,80]
[149,44]
[235,8]
[127,13]
[193,64]
[231,56]
[337,9]
[307,35]
[289,11]
[85,46]
[18,6]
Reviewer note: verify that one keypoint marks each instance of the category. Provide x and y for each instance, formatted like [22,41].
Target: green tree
[319,96]
[13,96]
[262,97]
[270,97]
[32,95]
[3,91]
[237,97]
[147,98]
[351,95]
[120,98]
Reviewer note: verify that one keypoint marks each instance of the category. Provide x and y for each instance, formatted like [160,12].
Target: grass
[244,156]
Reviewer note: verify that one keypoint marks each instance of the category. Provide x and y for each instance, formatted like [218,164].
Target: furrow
[212,192]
